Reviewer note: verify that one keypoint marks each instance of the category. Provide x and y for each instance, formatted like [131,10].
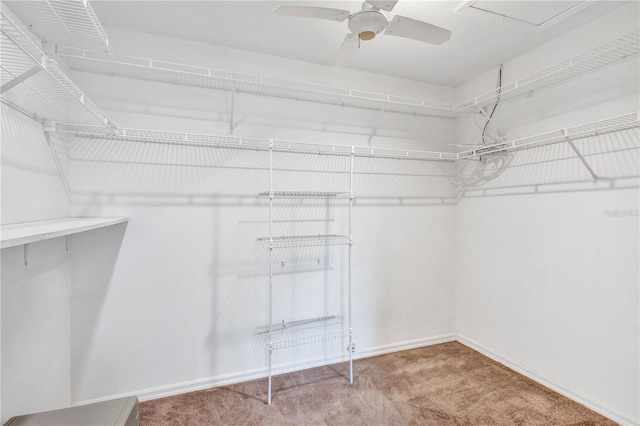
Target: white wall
[189,288]
[547,276]
[171,301]
[35,297]
[38,299]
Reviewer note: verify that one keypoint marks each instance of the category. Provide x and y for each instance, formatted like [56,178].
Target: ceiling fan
[368,22]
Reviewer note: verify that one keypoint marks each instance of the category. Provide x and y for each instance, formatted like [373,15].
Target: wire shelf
[590,60]
[308,340]
[623,122]
[63,22]
[46,91]
[404,154]
[300,325]
[286,241]
[311,148]
[189,75]
[595,128]
[303,194]
[234,142]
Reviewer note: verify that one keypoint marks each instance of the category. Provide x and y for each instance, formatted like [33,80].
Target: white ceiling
[480,41]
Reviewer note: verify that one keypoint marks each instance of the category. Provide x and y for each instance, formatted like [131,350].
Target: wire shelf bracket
[19,79]
[580,157]
[233,102]
[375,124]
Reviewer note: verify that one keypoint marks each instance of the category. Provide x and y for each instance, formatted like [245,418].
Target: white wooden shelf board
[24,233]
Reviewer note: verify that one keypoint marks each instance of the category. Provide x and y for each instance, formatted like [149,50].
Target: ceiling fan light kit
[367,23]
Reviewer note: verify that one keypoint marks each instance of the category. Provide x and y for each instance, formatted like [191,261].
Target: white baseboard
[228,379]
[406,345]
[558,387]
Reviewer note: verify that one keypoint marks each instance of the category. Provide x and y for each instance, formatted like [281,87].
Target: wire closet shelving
[594,128]
[176,73]
[601,56]
[64,22]
[585,130]
[190,75]
[319,329]
[35,84]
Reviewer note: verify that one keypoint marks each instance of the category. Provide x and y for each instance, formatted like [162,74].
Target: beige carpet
[447,384]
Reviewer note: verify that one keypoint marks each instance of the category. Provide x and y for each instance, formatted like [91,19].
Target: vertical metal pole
[349,281]
[270,260]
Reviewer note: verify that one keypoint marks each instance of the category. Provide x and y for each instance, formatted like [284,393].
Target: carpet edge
[539,378]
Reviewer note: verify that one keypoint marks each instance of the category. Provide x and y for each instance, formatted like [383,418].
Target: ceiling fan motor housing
[367,23]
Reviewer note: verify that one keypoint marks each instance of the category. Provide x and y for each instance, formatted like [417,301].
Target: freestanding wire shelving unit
[287,241]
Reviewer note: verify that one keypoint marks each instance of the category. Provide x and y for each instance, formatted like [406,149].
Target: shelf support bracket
[19,79]
[593,174]
[25,252]
[233,101]
[375,123]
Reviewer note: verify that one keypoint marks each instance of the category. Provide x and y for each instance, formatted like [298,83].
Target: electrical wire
[499,88]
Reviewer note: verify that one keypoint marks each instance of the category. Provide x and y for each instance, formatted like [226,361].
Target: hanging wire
[499,88]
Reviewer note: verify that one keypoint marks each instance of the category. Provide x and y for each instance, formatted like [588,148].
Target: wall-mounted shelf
[595,128]
[285,241]
[35,84]
[304,324]
[189,75]
[402,154]
[232,142]
[590,60]
[614,124]
[30,232]
[62,22]
[308,340]
[175,73]
[304,194]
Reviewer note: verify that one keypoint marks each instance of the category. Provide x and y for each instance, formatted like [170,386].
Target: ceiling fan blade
[383,4]
[401,26]
[349,46]
[312,12]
